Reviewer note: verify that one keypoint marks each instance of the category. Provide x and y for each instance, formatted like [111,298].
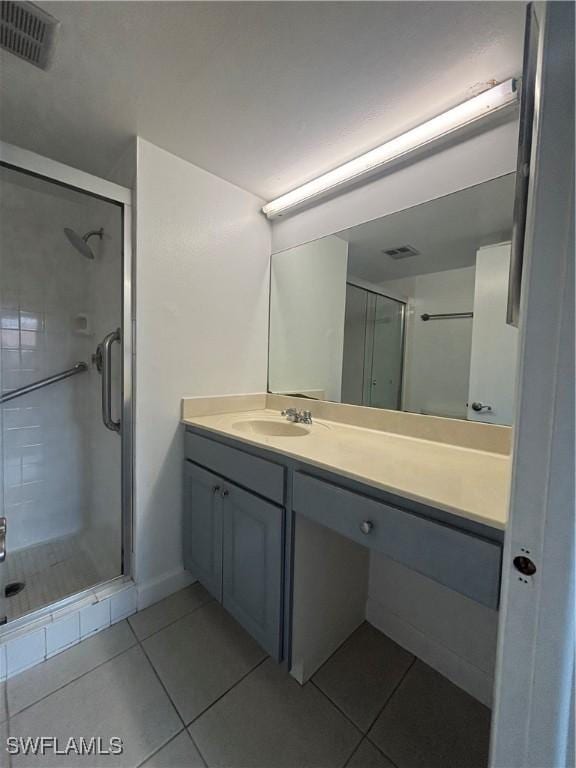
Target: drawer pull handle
[366,526]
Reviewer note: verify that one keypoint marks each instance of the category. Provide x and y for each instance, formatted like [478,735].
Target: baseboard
[154,590]
[462,673]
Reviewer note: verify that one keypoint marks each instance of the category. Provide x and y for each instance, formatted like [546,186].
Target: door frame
[33,164]
[533,717]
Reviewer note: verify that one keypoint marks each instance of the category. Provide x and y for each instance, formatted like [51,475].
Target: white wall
[479,159]
[437,352]
[202,274]
[307,303]
[452,633]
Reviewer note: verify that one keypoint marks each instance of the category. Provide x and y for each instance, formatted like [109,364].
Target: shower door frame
[404,302]
[32,164]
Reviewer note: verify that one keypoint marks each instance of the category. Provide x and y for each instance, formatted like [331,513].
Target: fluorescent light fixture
[464,114]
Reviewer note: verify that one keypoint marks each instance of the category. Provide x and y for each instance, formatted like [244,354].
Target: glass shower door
[61,293]
[387,353]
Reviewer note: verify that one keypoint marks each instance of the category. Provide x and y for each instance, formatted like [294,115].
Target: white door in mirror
[494,343]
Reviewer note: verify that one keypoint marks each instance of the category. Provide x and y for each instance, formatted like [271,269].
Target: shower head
[81,243]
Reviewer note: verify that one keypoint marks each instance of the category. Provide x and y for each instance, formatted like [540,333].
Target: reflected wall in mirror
[406,312]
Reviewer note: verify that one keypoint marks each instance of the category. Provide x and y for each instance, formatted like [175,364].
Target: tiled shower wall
[49,440]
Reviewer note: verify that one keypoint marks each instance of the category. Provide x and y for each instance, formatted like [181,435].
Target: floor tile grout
[74,679]
[139,642]
[336,706]
[383,707]
[185,727]
[183,616]
[8,731]
[342,644]
[388,700]
[149,660]
[165,744]
[375,747]
[170,740]
[356,748]
[254,668]
[136,640]
[192,739]
[381,751]
[391,695]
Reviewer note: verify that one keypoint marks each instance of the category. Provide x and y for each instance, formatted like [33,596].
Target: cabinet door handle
[225,493]
[366,526]
[215,489]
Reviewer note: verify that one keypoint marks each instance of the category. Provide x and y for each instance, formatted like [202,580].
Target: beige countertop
[466,482]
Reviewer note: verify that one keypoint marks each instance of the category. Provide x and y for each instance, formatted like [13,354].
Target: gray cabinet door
[252,588]
[202,527]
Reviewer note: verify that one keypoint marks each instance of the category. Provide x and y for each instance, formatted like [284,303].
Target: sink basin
[271,428]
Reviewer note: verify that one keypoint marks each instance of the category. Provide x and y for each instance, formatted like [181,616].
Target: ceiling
[447,232]
[266,95]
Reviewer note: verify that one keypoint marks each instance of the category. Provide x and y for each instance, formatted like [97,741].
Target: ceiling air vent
[27,32]
[401,252]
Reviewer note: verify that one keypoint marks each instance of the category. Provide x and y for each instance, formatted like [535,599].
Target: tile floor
[184,686]
[50,572]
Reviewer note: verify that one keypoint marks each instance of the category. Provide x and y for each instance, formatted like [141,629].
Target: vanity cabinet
[234,539]
[245,509]
[469,564]
[202,527]
[252,564]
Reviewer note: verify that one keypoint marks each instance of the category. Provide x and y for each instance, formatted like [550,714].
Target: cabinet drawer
[263,477]
[459,560]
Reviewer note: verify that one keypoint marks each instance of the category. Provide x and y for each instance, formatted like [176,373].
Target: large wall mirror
[406,312]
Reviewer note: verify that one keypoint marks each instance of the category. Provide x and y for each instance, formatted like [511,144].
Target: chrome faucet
[298,417]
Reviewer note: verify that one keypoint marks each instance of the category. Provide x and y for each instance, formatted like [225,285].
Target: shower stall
[65,372]
[373,355]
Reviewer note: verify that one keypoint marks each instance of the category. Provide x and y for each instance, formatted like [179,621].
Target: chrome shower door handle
[109,422]
[2,539]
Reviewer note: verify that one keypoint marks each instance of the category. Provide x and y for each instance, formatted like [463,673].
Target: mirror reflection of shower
[80,242]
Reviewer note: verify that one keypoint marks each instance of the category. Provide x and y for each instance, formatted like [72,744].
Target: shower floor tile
[50,572]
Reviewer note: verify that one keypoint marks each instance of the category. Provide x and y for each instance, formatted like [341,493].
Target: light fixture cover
[464,114]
